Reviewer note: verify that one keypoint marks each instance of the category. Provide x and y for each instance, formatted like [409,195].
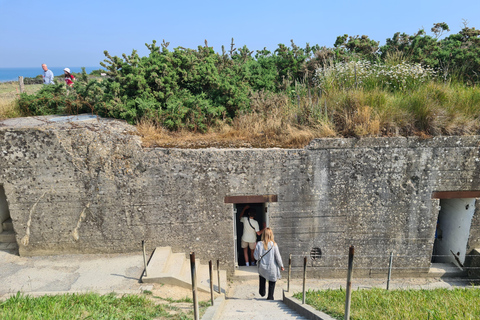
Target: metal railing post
[144,257]
[218,273]
[210,269]
[194,286]
[289,271]
[390,270]
[349,283]
[304,278]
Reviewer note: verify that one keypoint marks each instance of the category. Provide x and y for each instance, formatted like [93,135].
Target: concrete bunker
[91,187]
[260,205]
[454,221]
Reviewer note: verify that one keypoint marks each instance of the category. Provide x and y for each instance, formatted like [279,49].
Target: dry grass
[229,136]
[9,92]
[273,123]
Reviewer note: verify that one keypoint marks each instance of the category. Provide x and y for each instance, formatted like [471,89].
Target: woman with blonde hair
[269,262]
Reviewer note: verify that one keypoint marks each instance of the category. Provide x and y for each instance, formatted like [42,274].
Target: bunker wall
[93,189]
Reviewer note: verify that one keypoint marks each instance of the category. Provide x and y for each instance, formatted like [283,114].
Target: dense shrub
[196,89]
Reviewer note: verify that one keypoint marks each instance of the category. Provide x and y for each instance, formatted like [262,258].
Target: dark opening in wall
[4,212]
[258,203]
[260,216]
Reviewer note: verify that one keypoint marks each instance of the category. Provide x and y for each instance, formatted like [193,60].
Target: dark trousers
[271,288]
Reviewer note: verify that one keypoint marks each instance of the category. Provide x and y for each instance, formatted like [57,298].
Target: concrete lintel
[251,199]
[455,194]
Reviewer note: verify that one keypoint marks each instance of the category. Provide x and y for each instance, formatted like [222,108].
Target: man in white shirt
[250,232]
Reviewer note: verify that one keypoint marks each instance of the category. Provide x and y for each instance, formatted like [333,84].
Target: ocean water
[12,74]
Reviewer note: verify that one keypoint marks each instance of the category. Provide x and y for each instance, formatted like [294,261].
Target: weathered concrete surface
[103,274]
[89,187]
[472,263]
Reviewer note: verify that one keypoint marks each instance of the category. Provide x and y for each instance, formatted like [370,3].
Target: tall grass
[9,92]
[379,304]
[394,75]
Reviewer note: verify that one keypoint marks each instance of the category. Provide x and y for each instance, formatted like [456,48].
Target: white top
[249,234]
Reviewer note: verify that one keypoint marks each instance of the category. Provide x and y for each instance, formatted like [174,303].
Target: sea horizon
[12,73]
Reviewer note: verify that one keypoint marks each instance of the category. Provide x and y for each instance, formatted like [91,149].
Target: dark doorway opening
[4,212]
[261,217]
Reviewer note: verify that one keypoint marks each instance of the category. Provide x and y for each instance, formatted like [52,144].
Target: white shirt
[249,235]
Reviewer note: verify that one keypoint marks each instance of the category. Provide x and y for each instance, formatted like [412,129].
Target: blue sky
[75,33]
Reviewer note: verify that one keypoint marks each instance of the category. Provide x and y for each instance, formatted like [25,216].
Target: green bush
[196,89]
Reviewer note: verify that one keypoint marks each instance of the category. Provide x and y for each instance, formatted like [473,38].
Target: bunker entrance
[453,230]
[4,212]
[259,205]
[7,235]
[260,216]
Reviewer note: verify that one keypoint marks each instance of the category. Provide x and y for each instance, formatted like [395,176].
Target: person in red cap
[69,78]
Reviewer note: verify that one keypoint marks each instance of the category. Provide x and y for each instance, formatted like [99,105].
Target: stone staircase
[7,237]
[171,268]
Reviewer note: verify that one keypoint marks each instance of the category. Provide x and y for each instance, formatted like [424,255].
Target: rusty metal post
[349,283]
[144,257]
[390,270]
[194,286]
[304,278]
[289,271]
[218,274]
[210,269]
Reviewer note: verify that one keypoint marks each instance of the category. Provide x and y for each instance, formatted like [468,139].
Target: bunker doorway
[4,212]
[453,230]
[261,216]
[7,235]
[260,204]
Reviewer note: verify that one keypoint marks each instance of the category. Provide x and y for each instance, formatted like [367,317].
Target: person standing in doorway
[269,263]
[250,232]
[47,75]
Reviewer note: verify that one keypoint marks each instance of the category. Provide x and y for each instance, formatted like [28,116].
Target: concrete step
[158,260]
[7,236]
[445,270]
[243,273]
[175,264]
[7,225]
[9,247]
[174,269]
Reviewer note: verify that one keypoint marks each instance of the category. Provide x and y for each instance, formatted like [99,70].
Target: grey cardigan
[269,266]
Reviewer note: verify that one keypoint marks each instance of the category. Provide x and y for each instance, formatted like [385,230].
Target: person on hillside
[250,232]
[269,263]
[69,78]
[47,75]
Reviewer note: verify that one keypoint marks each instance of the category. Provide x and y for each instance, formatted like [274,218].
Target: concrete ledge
[213,311]
[303,309]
